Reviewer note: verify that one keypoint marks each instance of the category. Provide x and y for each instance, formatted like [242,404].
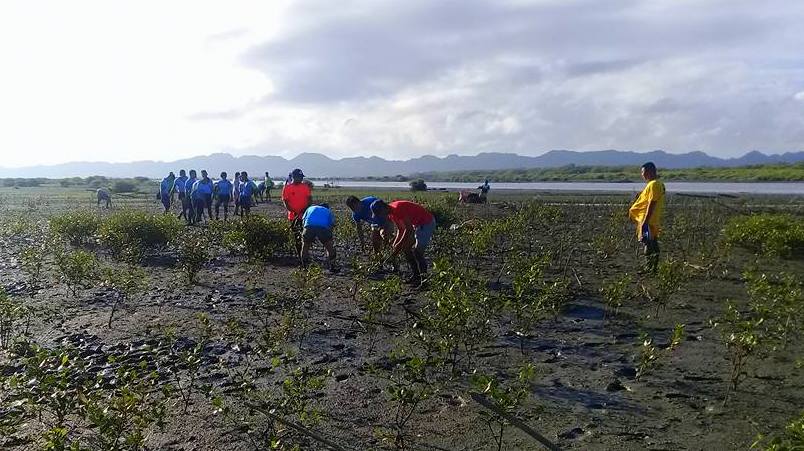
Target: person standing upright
[646,213]
[180,187]
[223,193]
[165,189]
[296,196]
[188,190]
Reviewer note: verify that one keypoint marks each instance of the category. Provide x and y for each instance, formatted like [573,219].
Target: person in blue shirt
[380,228]
[165,190]
[223,193]
[318,222]
[180,187]
[202,197]
[247,190]
[188,189]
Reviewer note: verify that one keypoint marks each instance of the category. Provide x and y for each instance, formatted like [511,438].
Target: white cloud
[114,80]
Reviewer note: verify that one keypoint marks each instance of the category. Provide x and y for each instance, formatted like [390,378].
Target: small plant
[617,293]
[193,255]
[126,283]
[185,363]
[670,278]
[409,384]
[743,336]
[32,259]
[792,439]
[677,338]
[779,299]
[12,313]
[376,297]
[78,227]
[507,398]
[76,268]
[648,356]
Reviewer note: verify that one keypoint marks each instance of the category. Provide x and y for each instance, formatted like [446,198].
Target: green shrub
[769,234]
[12,312]
[193,254]
[129,234]
[792,439]
[124,186]
[418,185]
[78,227]
[76,268]
[257,237]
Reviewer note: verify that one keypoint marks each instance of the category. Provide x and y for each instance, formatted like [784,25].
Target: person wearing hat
[296,197]
[414,231]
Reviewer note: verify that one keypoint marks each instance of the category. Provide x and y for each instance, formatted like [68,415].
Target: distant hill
[318,165]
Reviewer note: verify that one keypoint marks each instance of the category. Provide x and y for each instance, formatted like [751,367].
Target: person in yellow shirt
[646,213]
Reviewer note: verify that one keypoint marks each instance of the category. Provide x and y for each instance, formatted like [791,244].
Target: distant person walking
[165,190]
[180,187]
[646,213]
[223,194]
[414,231]
[246,193]
[319,223]
[188,189]
[296,196]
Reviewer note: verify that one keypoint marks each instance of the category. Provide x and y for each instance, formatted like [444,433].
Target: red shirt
[297,195]
[400,210]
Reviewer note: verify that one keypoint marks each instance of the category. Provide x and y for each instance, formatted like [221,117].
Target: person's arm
[402,236]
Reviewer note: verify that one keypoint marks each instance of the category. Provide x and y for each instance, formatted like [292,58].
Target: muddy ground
[585,395]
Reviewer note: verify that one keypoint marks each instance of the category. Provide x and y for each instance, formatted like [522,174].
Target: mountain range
[320,166]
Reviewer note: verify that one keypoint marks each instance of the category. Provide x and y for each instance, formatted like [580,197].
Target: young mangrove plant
[126,282]
[76,268]
[648,356]
[617,293]
[32,260]
[376,297]
[506,397]
[791,439]
[193,254]
[13,315]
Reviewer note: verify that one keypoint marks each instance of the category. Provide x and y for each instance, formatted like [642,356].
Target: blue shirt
[188,185]
[364,212]
[180,185]
[201,189]
[224,187]
[164,187]
[317,216]
[247,189]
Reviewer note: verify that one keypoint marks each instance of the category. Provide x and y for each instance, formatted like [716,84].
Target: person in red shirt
[414,231]
[296,196]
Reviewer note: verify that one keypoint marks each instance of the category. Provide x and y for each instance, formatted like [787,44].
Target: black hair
[351,200]
[325,205]
[649,167]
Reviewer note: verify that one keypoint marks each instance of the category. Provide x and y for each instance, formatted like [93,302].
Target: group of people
[199,195]
[413,223]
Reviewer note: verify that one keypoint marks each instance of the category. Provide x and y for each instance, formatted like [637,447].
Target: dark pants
[651,249]
[222,200]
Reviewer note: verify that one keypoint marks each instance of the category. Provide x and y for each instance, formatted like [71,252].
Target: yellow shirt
[654,191]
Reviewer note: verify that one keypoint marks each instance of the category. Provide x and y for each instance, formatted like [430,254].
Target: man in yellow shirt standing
[646,213]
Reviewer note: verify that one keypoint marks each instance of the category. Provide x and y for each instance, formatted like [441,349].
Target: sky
[106,80]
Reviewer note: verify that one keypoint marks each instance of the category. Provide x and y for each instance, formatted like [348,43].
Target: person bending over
[319,223]
[414,231]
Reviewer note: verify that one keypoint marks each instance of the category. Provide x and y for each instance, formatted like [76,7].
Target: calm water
[794,188]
